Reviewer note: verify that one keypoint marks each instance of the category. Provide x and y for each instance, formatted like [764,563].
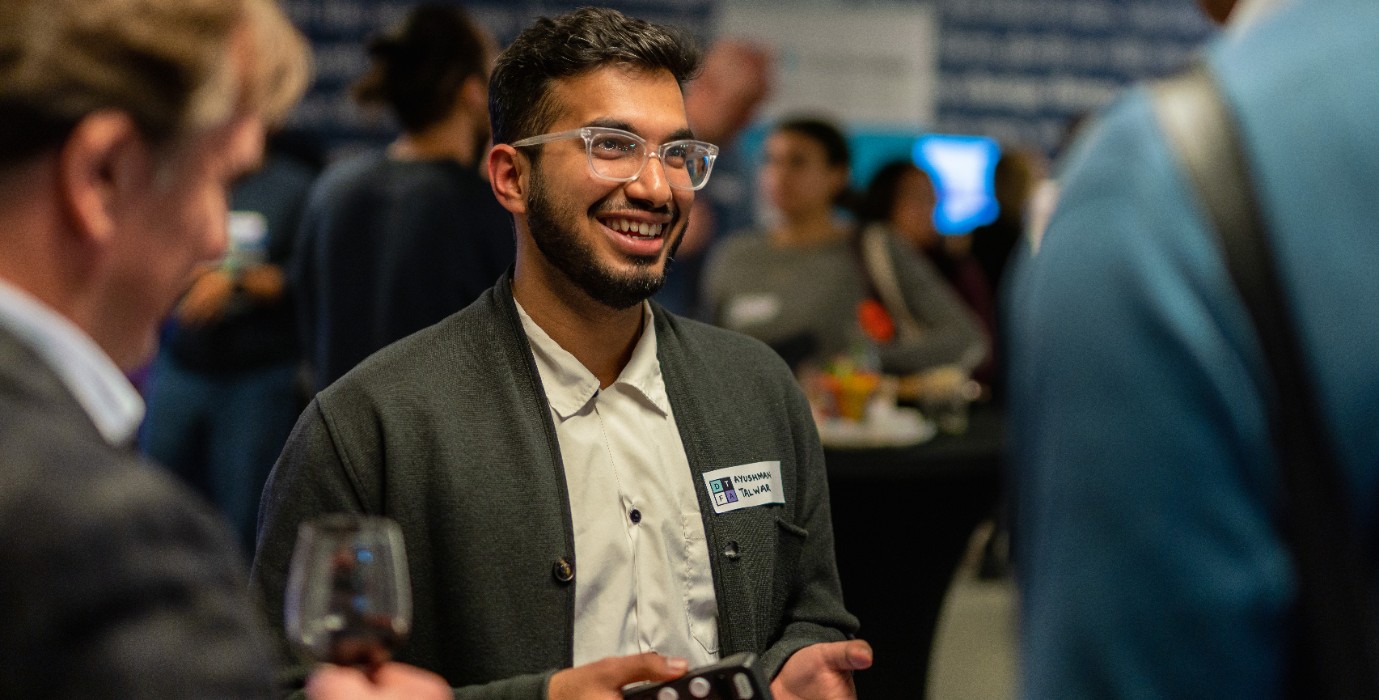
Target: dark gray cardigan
[448,431]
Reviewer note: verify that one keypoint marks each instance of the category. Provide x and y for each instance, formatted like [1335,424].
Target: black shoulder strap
[1337,653]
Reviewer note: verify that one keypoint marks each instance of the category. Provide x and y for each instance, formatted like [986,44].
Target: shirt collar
[643,370]
[113,404]
[570,386]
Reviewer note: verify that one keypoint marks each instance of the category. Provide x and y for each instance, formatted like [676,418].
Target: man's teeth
[635,228]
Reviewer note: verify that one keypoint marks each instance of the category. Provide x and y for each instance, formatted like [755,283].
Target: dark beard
[578,261]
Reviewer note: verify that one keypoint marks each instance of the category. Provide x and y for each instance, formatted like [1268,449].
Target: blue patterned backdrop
[1020,70]
[339,28]
[1017,70]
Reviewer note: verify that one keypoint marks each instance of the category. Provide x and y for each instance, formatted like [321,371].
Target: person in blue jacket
[1148,551]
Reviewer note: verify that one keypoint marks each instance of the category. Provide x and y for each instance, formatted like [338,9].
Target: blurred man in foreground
[1150,535]
[124,123]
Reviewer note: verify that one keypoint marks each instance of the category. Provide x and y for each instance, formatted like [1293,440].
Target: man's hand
[603,680]
[391,681]
[822,671]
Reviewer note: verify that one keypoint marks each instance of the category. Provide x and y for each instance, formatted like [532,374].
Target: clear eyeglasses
[621,156]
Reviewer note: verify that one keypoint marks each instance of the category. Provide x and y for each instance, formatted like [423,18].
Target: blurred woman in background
[901,196]
[815,286]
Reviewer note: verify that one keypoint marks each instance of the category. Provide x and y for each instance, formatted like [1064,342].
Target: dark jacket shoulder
[116,580]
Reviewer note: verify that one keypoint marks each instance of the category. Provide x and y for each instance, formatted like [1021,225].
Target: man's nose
[651,186]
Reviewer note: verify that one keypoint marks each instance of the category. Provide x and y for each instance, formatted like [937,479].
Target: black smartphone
[733,678]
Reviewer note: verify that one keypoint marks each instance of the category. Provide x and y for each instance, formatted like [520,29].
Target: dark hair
[419,67]
[837,153]
[879,199]
[519,96]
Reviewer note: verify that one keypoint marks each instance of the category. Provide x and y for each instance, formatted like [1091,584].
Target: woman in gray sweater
[799,285]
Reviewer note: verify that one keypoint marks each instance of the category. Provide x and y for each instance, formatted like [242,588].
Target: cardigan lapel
[697,436]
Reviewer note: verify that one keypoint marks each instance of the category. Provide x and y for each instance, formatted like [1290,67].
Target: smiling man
[593,491]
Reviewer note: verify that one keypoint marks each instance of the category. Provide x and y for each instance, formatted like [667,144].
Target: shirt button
[636,516]
[564,570]
[730,551]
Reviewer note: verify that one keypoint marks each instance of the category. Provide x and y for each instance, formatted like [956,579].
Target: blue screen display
[962,168]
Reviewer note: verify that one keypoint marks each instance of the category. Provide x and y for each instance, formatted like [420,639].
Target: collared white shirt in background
[98,385]
[642,581]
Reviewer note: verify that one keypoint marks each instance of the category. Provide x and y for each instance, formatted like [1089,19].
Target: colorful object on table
[851,389]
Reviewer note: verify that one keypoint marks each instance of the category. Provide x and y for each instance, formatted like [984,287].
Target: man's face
[174,222]
[589,230]
[178,223]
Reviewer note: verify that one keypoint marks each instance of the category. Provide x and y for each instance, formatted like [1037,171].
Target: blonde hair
[165,63]
[282,68]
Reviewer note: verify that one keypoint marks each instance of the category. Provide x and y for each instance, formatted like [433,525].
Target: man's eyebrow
[610,123]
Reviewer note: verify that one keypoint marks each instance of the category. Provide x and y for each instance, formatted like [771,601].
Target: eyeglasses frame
[589,132]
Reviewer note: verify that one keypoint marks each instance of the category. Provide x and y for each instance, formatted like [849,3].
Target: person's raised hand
[822,671]
[604,679]
[390,681]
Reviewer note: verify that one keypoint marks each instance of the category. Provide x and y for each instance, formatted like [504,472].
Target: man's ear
[509,173]
[102,163]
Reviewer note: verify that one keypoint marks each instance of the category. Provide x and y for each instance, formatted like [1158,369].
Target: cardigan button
[731,551]
[564,570]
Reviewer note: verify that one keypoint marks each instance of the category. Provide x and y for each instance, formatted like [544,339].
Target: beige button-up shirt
[644,582]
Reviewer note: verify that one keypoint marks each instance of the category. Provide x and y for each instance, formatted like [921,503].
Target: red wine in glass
[348,597]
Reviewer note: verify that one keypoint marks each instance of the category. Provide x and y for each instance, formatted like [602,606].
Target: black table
[902,518]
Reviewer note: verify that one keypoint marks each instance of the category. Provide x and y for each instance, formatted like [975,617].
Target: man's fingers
[605,678]
[852,655]
[859,654]
[650,666]
[329,681]
[391,680]
[411,682]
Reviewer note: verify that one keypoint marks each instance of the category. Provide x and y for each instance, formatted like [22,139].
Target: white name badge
[752,310]
[735,488]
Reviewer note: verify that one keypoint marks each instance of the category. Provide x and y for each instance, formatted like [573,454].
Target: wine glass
[348,599]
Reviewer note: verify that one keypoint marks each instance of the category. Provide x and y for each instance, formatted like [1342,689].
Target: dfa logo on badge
[722,491]
[745,486]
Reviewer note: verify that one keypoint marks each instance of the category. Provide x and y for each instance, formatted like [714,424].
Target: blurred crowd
[332,262]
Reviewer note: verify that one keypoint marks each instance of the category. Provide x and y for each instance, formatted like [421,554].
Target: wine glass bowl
[348,598]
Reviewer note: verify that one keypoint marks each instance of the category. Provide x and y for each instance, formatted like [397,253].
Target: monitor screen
[962,168]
